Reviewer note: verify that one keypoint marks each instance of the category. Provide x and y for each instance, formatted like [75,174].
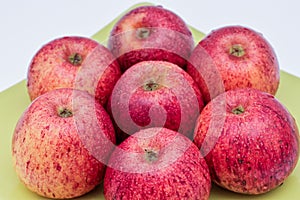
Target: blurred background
[27,25]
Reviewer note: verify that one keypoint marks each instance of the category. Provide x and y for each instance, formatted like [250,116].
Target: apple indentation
[151,155]
[75,59]
[237,50]
[238,110]
[64,112]
[143,33]
[151,86]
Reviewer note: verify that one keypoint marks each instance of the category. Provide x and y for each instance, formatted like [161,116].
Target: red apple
[155,93]
[73,62]
[237,57]
[61,144]
[258,145]
[157,163]
[150,33]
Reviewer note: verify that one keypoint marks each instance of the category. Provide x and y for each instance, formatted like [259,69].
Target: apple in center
[155,94]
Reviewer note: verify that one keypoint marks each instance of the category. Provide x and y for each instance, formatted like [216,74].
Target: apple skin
[150,33]
[94,69]
[258,146]
[238,57]
[59,157]
[157,163]
[155,93]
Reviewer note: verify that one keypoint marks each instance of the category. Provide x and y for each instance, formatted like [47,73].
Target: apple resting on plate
[157,163]
[249,140]
[61,144]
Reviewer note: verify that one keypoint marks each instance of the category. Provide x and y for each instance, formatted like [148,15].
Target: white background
[27,25]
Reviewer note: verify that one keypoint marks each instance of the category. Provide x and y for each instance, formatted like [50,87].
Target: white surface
[27,25]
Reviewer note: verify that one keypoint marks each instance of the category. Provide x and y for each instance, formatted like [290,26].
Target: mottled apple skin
[175,104]
[62,157]
[170,38]
[179,171]
[256,150]
[258,68]
[50,68]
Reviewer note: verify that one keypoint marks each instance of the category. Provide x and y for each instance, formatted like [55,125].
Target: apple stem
[238,110]
[142,33]
[237,50]
[64,112]
[75,59]
[151,155]
[151,86]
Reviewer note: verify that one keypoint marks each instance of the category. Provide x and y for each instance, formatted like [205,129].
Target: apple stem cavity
[151,86]
[64,112]
[237,50]
[151,156]
[238,110]
[75,59]
[143,33]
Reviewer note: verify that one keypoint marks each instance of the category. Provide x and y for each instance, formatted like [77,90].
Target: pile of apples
[154,116]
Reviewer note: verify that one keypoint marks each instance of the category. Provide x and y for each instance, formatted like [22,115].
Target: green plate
[14,101]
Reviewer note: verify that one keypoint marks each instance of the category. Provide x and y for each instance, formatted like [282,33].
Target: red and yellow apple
[61,144]
[258,145]
[73,62]
[157,163]
[155,93]
[234,57]
[150,33]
